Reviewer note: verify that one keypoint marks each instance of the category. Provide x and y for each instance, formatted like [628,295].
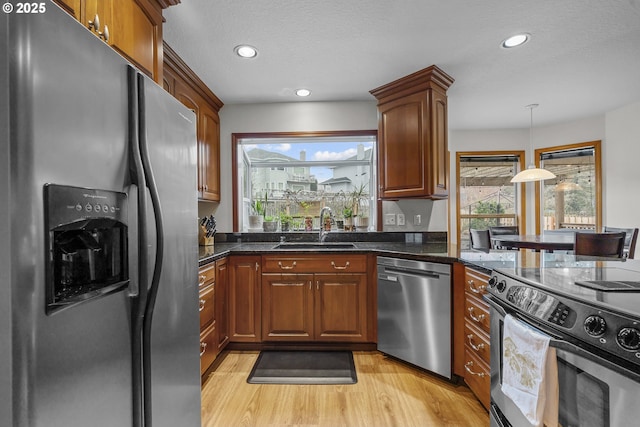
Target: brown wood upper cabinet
[131,27]
[412,136]
[180,81]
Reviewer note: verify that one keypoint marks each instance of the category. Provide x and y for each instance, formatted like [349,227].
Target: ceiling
[583,58]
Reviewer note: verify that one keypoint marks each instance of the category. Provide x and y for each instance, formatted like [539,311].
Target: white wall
[621,161]
[584,130]
[619,131]
[280,117]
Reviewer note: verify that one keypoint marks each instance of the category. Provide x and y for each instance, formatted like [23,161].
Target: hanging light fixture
[532,173]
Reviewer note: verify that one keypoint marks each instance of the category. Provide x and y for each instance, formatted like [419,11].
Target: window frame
[597,147]
[520,189]
[237,137]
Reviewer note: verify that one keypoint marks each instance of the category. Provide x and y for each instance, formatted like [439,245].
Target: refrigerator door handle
[139,290]
[159,258]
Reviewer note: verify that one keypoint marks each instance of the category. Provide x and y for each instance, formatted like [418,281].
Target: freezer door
[175,338]
[68,127]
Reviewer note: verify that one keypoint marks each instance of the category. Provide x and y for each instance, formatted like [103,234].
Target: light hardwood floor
[388,394]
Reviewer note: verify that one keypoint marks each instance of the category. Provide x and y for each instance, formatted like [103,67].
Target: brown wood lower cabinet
[477,372]
[244,298]
[213,306]
[314,307]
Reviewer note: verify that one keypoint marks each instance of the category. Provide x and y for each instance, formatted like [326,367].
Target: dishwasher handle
[388,278]
[408,272]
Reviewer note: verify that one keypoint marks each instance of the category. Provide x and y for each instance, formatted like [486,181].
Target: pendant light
[532,173]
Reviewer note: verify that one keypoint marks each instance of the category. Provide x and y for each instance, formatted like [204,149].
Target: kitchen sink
[314,245]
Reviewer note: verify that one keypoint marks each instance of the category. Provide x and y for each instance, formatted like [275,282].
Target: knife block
[203,240]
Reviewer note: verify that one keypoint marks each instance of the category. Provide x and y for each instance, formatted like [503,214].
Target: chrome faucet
[323,233]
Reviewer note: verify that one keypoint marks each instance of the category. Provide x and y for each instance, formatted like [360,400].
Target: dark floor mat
[303,367]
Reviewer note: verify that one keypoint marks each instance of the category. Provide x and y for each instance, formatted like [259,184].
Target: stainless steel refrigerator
[98,238]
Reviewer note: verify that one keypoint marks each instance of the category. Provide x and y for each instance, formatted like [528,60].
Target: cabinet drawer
[477,312]
[206,274]
[208,348]
[477,341]
[475,282]
[477,376]
[338,263]
[207,305]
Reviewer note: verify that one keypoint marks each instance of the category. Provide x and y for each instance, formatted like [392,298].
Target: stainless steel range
[591,311]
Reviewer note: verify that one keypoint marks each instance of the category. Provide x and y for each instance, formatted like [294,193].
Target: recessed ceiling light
[516,40]
[303,92]
[246,51]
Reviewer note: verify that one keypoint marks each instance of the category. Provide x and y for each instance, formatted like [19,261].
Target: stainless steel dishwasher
[414,313]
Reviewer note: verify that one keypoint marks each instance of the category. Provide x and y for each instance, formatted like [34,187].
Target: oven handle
[559,343]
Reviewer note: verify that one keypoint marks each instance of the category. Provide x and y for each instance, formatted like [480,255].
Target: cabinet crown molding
[428,78]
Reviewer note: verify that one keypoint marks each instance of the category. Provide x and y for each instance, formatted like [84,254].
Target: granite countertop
[429,251]
[506,260]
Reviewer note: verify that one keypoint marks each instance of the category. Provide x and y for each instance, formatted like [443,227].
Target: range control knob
[493,281]
[629,338]
[501,286]
[595,326]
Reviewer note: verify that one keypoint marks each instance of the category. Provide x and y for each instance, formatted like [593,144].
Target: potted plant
[256,219]
[347,213]
[358,198]
[285,221]
[270,224]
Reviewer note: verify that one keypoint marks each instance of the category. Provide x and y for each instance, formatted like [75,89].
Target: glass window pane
[296,176]
[487,197]
[569,199]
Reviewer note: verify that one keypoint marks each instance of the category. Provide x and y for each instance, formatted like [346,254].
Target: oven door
[593,391]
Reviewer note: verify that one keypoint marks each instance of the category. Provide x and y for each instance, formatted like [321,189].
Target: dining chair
[629,239]
[480,239]
[599,244]
[503,230]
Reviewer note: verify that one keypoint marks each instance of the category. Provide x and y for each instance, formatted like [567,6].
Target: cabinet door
[136,33]
[439,150]
[340,312]
[209,155]
[222,303]
[402,147]
[287,307]
[244,299]
[72,7]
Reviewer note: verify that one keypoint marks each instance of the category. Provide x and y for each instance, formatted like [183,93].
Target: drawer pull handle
[478,318]
[474,289]
[473,346]
[202,278]
[201,307]
[335,267]
[286,267]
[467,367]
[203,348]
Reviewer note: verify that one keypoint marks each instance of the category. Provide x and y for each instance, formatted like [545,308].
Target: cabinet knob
[467,367]
[473,346]
[478,318]
[335,267]
[474,289]
[105,34]
[286,267]
[95,24]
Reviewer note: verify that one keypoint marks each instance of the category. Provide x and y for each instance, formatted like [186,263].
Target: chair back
[599,244]
[629,240]
[505,230]
[480,239]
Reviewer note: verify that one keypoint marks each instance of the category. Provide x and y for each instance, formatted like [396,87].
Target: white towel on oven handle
[530,372]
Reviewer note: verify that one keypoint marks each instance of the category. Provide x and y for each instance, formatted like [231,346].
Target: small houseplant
[285,221]
[256,219]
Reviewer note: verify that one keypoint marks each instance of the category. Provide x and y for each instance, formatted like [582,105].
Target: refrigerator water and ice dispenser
[86,244]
